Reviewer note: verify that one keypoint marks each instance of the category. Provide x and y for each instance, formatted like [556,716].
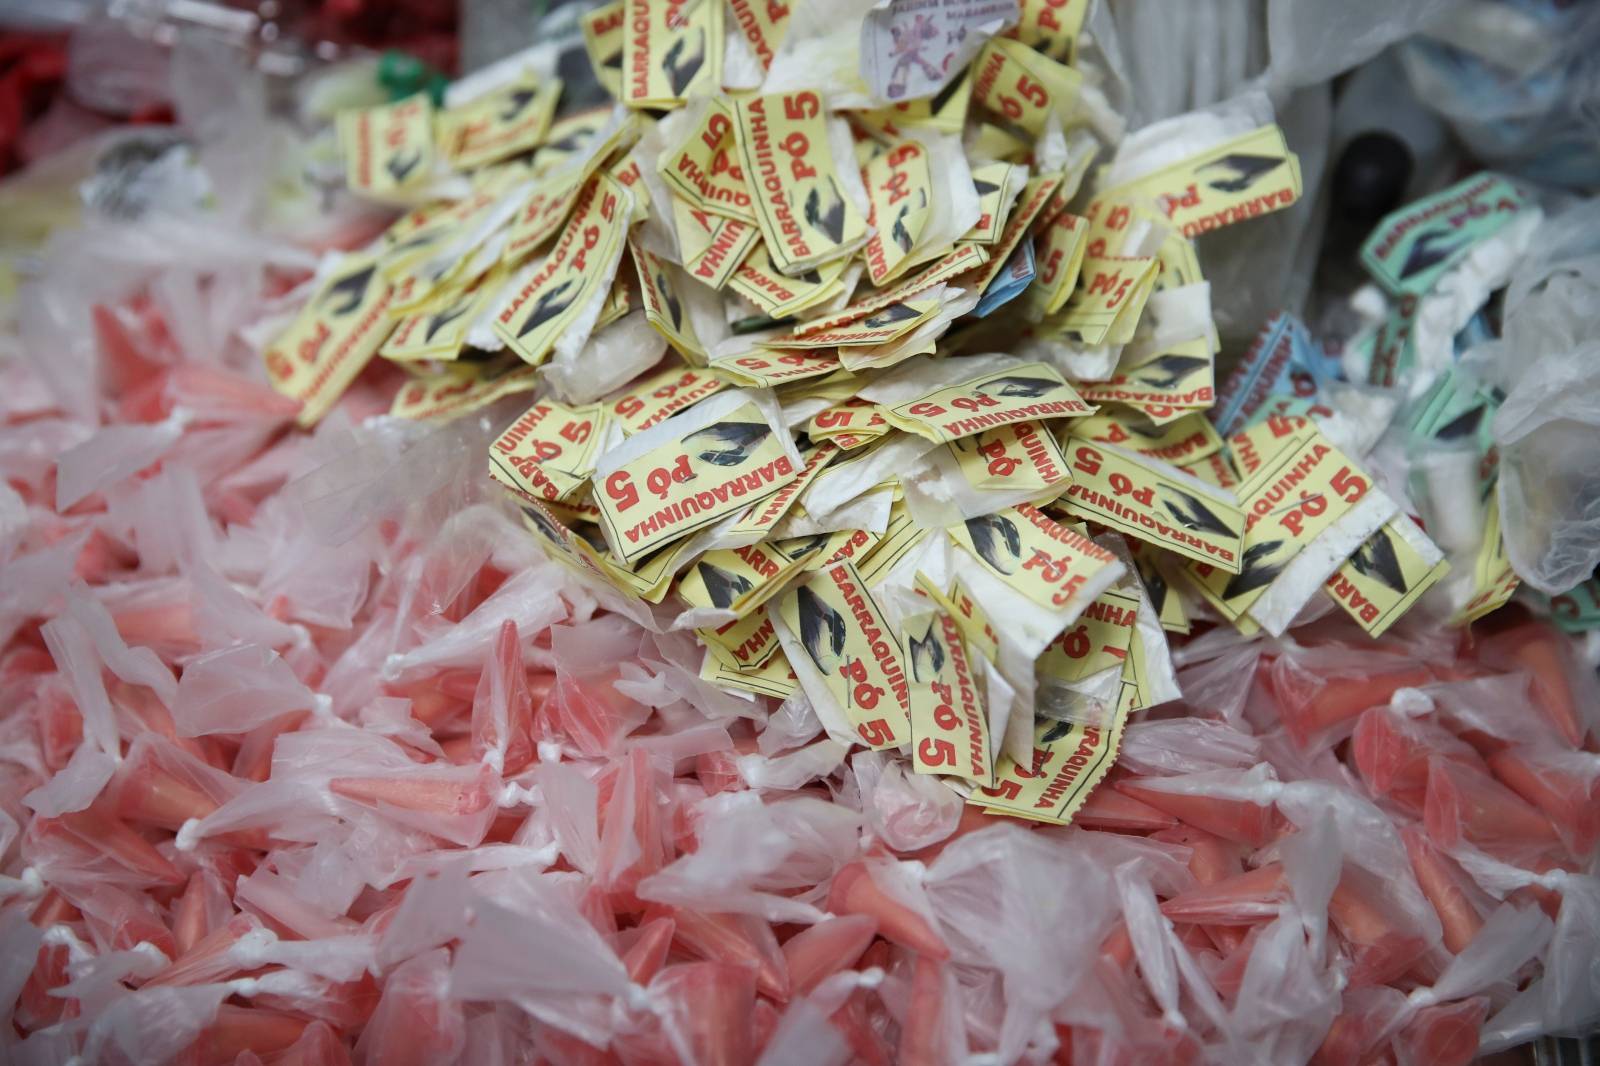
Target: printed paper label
[705,169]
[766,367]
[1387,575]
[842,630]
[570,277]
[804,213]
[1110,297]
[388,151]
[333,338]
[1023,86]
[604,36]
[949,715]
[1021,457]
[1098,642]
[1251,175]
[1152,501]
[504,123]
[899,188]
[1417,245]
[966,257]
[672,50]
[1051,564]
[692,483]
[998,185]
[1183,442]
[549,452]
[1175,381]
[662,395]
[462,389]
[1013,394]
[1069,760]
[762,23]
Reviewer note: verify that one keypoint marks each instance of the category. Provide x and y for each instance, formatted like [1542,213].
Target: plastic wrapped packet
[873,381]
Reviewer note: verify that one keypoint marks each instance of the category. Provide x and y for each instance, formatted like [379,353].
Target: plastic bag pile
[848,552]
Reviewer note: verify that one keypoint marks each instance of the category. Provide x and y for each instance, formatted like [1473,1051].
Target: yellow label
[825,549]
[805,216]
[692,483]
[1031,391]
[671,50]
[1052,564]
[713,246]
[842,630]
[555,196]
[963,609]
[998,185]
[1152,501]
[704,168]
[775,678]
[1215,469]
[1291,500]
[990,141]
[949,714]
[1109,221]
[648,582]
[1494,580]
[900,538]
[1183,442]
[1249,176]
[737,579]
[780,295]
[966,257]
[388,151]
[850,423]
[1023,457]
[765,368]
[762,23]
[548,453]
[332,338]
[1159,587]
[1023,86]
[618,303]
[663,307]
[462,389]
[891,323]
[571,137]
[1051,26]
[1387,575]
[1069,760]
[439,331]
[1058,253]
[1111,295]
[1098,641]
[745,644]
[604,34]
[506,122]
[625,171]
[760,520]
[442,219]
[1179,379]
[944,111]
[571,276]
[1035,195]
[662,395]
[1252,447]
[900,190]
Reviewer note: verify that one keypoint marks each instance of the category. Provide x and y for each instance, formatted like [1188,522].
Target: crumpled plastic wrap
[318,746]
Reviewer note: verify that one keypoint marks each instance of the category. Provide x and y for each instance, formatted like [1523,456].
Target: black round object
[1371,177]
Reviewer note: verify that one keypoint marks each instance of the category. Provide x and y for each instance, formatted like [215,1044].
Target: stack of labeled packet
[908,411]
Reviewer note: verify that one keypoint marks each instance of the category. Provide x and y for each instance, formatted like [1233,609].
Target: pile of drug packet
[890,633]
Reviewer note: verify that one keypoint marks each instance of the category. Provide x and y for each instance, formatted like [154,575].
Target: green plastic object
[403,75]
